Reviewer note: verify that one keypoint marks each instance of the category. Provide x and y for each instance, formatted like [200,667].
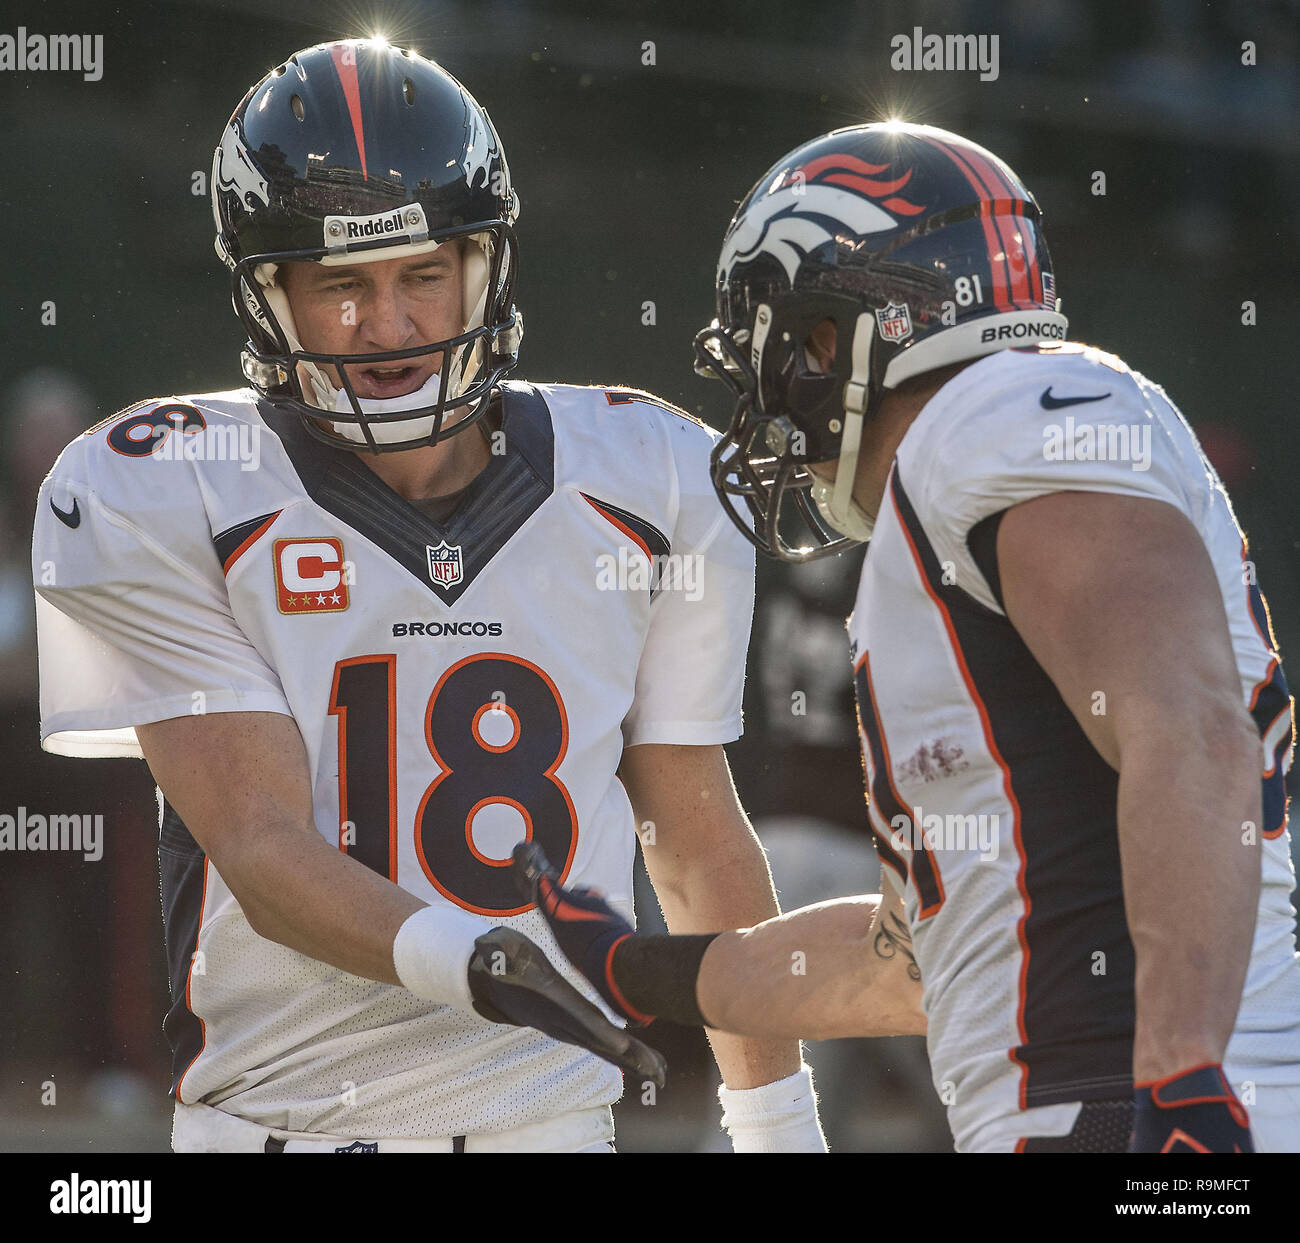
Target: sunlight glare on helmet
[381,23]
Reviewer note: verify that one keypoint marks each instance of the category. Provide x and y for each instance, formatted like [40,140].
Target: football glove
[587,928]
[1194,1111]
[512,981]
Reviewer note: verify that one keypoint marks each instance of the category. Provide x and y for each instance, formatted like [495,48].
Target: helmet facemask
[795,418]
[471,363]
[924,250]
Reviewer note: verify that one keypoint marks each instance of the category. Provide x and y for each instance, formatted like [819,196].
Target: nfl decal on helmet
[922,249]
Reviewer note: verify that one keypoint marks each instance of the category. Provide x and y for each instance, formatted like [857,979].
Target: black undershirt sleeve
[658,974]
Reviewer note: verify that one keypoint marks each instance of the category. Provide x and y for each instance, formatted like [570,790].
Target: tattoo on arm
[892,937]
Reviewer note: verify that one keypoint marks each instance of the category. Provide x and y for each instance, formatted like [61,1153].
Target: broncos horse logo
[806,206]
[480,149]
[232,169]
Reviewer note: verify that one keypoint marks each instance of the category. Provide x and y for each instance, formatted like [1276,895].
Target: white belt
[201,1128]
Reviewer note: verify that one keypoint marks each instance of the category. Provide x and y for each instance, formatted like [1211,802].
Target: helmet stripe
[1031,257]
[992,236]
[346,67]
[1023,284]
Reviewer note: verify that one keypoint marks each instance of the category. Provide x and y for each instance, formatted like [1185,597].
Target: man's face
[369,308]
[820,348]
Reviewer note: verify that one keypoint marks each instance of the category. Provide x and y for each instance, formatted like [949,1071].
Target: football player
[1074,719]
[375,617]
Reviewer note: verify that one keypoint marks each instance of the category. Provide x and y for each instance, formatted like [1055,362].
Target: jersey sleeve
[133,620]
[994,444]
[690,679]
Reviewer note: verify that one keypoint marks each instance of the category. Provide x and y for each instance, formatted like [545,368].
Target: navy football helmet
[922,248]
[351,152]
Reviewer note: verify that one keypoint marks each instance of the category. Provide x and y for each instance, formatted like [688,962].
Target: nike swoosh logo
[70,517]
[1048,402]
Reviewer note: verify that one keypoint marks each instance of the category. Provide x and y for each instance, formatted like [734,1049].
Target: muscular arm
[239,781]
[1117,595]
[840,968]
[709,873]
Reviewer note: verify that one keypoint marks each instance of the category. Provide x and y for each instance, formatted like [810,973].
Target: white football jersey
[992,811]
[459,685]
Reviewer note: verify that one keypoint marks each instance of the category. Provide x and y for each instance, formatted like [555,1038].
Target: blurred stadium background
[628,174]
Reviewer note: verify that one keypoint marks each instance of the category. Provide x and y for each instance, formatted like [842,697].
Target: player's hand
[587,928]
[1194,1111]
[512,981]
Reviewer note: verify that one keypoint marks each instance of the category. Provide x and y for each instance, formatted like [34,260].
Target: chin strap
[316,388]
[835,501]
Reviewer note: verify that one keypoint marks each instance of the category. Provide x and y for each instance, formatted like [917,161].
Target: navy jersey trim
[181,864]
[1076,1009]
[1269,702]
[503,496]
[889,803]
[653,542]
[625,396]
[232,543]
[1102,1126]
[982,540]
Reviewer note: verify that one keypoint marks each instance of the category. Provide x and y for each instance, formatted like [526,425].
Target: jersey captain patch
[310,576]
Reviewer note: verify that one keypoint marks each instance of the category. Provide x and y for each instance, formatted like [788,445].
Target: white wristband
[431,954]
[778,1117]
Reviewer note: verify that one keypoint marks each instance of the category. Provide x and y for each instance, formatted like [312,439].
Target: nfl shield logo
[895,322]
[444,564]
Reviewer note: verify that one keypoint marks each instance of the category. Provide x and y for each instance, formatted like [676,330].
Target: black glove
[587,928]
[1194,1111]
[512,981]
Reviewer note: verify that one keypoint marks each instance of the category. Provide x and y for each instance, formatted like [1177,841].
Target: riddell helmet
[923,249]
[348,153]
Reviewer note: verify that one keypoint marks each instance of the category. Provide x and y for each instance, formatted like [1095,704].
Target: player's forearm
[298,890]
[726,886]
[839,968]
[1189,820]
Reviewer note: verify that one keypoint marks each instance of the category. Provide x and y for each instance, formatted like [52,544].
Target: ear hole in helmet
[408,91]
[295,104]
[819,347]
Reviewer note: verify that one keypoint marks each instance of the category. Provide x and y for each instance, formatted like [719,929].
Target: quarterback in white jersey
[1074,719]
[378,616]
